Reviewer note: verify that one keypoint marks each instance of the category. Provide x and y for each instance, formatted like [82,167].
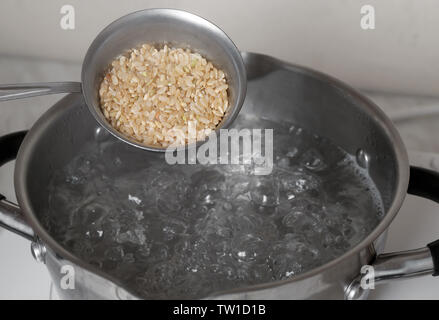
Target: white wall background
[400,55]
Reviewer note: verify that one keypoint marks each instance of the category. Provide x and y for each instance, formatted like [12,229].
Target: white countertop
[22,278]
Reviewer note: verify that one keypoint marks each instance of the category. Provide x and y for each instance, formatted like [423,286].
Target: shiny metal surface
[20,91]
[12,218]
[85,284]
[38,250]
[402,265]
[393,266]
[158,26]
[276,90]
[177,28]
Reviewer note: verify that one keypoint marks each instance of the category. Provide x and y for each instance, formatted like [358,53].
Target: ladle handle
[11,217]
[27,90]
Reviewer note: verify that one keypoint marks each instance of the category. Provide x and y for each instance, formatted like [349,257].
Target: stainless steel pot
[276,90]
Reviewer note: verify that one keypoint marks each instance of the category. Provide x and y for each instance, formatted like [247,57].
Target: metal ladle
[157,26]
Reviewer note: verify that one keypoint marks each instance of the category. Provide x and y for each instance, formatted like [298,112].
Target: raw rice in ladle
[151,95]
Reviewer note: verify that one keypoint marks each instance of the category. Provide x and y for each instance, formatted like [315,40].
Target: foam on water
[185,231]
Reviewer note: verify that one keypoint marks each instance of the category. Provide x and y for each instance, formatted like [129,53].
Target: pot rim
[402,178]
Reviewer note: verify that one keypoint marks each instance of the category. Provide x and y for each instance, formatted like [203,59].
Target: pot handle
[404,264]
[11,217]
[26,90]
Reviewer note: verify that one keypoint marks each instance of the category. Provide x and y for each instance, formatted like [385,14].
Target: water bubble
[363,158]
[135,236]
[173,228]
[297,182]
[264,191]
[247,247]
[283,162]
[115,253]
[94,232]
[117,162]
[292,153]
[313,160]
[227,206]
[100,134]
[73,179]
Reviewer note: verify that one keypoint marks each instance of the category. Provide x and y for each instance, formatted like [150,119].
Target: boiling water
[185,231]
